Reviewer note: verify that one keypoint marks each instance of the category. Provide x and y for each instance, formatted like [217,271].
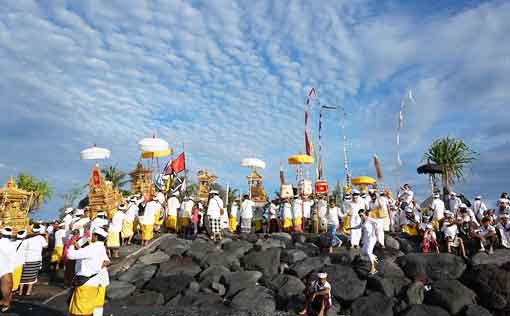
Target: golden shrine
[14,206]
[102,195]
[258,194]
[141,181]
[205,179]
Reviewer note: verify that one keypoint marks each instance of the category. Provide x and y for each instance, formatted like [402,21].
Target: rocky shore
[266,275]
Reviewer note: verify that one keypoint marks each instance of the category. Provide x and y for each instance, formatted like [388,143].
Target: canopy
[300,159]
[430,168]
[363,180]
[253,163]
[152,145]
[156,154]
[94,153]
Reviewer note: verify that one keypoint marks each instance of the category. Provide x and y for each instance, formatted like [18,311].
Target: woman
[33,259]
[368,238]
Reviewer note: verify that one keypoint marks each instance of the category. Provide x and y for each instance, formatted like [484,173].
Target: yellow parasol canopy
[156,154]
[363,180]
[300,159]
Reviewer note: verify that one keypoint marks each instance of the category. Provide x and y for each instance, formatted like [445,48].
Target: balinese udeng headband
[7,231]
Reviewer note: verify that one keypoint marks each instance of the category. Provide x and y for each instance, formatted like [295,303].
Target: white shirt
[68,219]
[117,220]
[407,196]
[90,261]
[214,207]
[187,208]
[485,231]
[173,206]
[479,208]
[6,263]
[160,197]
[20,248]
[272,211]
[60,236]
[333,216]
[247,209]
[79,224]
[98,222]
[34,247]
[353,208]
[454,203]
[233,210]
[322,209]
[151,208]
[318,287]
[450,231]
[381,206]
[287,210]
[297,208]
[307,208]
[438,209]
[132,211]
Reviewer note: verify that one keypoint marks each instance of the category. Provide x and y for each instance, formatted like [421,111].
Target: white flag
[400,119]
[410,96]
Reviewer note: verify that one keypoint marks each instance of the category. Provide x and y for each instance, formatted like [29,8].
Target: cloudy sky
[229,78]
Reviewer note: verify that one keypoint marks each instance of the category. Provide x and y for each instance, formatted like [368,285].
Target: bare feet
[303,312]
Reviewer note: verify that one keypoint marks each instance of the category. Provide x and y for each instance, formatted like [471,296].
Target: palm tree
[453,155]
[71,196]
[115,176]
[42,191]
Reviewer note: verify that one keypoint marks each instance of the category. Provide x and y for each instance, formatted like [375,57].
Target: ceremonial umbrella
[363,181]
[253,163]
[154,148]
[300,160]
[431,169]
[95,153]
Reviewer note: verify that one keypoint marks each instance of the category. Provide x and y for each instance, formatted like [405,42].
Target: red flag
[307,144]
[168,168]
[179,163]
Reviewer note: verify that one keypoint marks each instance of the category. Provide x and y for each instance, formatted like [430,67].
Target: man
[150,210]
[246,214]
[487,236]
[185,214]
[159,219]
[406,195]
[479,207]
[91,276]
[378,210]
[503,206]
[353,208]
[99,221]
[297,213]
[333,218]
[58,249]
[466,213]
[451,232]
[214,212]
[273,216]
[410,220]
[68,218]
[368,228]
[307,212]
[504,230]
[80,221]
[437,208]
[318,291]
[114,230]
[322,210]
[128,223]
[234,208]
[173,205]
[287,216]
[453,202]
[6,269]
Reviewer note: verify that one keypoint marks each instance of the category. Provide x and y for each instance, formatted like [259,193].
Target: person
[232,220]
[406,195]
[195,222]
[224,218]
[366,198]
[287,216]
[58,249]
[33,259]
[333,217]
[258,219]
[437,208]
[503,206]
[89,285]
[186,210]
[128,223]
[410,220]
[466,213]
[80,220]
[322,212]
[369,236]
[214,211]
[149,211]
[378,209]
[246,214]
[273,216]
[466,221]
[345,210]
[19,258]
[353,208]
[68,218]
[6,269]
[503,229]
[307,213]
[173,206]
[115,229]
[99,221]
[503,200]
[487,236]
[453,202]
[479,207]
[429,242]
[159,217]
[319,291]
[297,213]
[451,232]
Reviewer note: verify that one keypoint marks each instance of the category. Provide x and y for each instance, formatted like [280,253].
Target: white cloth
[316,286]
[333,216]
[450,231]
[353,208]
[34,247]
[437,209]
[89,261]
[322,210]
[160,197]
[60,236]
[187,209]
[469,215]
[407,196]
[297,208]
[80,225]
[273,210]
[117,220]
[368,229]
[151,208]
[247,209]
[98,222]
[479,208]
[173,206]
[504,231]
[453,203]
[132,211]
[307,208]
[214,207]
[287,210]
[68,219]
[484,231]
[224,220]
[234,210]
[20,249]
[6,263]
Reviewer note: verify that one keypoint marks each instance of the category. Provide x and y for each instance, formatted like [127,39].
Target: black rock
[266,261]
[213,274]
[256,299]
[179,265]
[492,284]
[499,258]
[305,267]
[408,245]
[119,289]
[389,286]
[175,246]
[476,310]
[287,288]
[345,283]
[451,295]
[156,257]
[219,258]
[292,256]
[237,281]
[391,243]
[310,249]
[200,248]
[425,310]
[237,248]
[169,286]
[264,244]
[442,266]
[138,272]
[147,298]
[375,304]
[343,256]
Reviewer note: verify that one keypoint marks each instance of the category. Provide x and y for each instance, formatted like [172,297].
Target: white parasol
[253,163]
[95,153]
[153,144]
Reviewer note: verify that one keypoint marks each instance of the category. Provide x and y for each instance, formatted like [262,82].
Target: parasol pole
[346,160]
[408,96]
[226,197]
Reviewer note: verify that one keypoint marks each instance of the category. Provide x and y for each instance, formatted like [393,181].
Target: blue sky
[228,79]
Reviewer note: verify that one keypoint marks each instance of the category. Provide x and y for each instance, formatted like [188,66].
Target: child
[487,235]
[429,242]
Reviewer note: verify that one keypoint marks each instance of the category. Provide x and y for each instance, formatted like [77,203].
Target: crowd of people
[83,243]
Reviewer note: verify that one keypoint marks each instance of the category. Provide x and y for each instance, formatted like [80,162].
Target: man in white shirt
[33,259]
[186,210]
[246,214]
[504,230]
[214,212]
[479,208]
[58,249]
[91,274]
[147,221]
[114,230]
[173,206]
[450,232]
[307,213]
[318,291]
[437,208]
[287,216]
[407,195]
[453,202]
[487,236]
[379,212]
[297,213]
[128,223]
[322,210]
[68,218]
[333,217]
[6,269]
[353,208]
[273,216]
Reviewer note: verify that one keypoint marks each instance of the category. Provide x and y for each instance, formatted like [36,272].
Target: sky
[227,80]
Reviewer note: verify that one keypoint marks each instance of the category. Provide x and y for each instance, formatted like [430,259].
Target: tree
[453,155]
[115,176]
[41,189]
[70,197]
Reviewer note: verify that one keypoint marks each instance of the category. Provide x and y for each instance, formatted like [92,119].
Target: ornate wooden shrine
[141,181]
[258,194]
[14,206]
[205,179]
[102,195]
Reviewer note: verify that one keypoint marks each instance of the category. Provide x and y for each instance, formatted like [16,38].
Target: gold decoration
[102,196]
[141,181]
[205,180]
[14,206]
[258,194]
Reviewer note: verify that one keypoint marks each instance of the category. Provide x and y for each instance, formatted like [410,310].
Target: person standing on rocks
[369,238]
[147,221]
[379,212]
[504,230]
[437,208]
[214,211]
[318,291]
[246,214]
[127,225]
[173,205]
[307,213]
[114,230]
[232,220]
[353,208]
[273,216]
[450,232]
[159,218]
[297,213]
[479,208]
[6,268]
[287,216]
[184,215]
[487,236]
[322,210]
[333,225]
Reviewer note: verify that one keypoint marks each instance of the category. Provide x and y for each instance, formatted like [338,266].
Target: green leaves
[115,176]
[41,189]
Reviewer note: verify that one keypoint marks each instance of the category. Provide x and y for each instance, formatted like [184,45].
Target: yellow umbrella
[156,154]
[300,159]
[363,180]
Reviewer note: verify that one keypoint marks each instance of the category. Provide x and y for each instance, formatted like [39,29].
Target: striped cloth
[30,272]
[245,225]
